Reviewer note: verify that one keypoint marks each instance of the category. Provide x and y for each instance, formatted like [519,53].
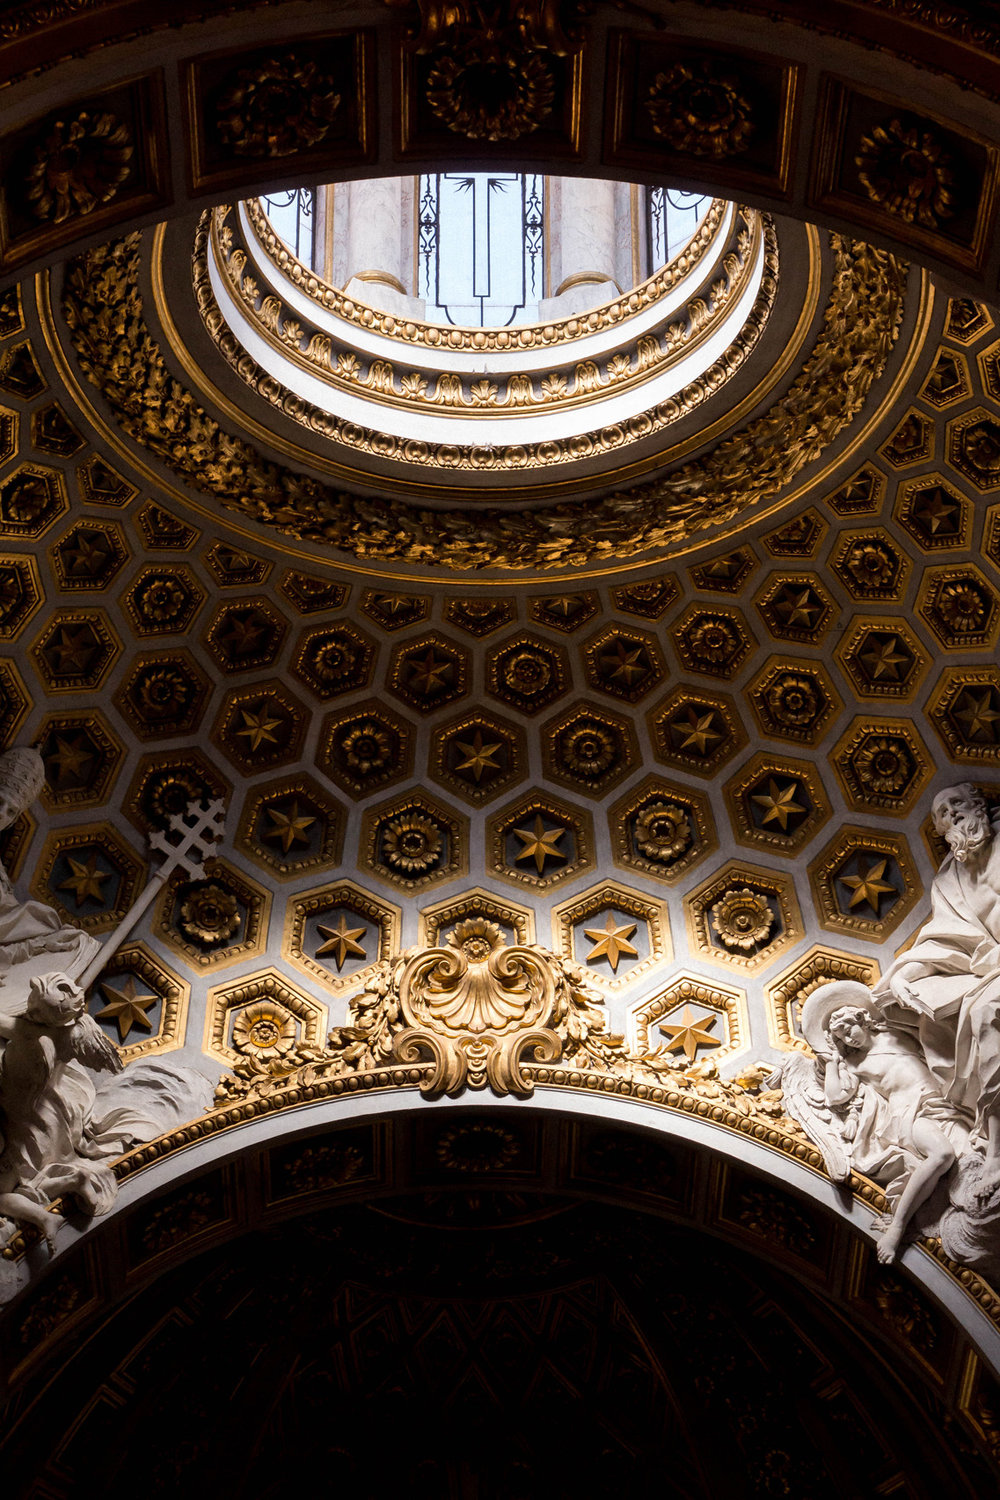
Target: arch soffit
[375,1145]
[812,98]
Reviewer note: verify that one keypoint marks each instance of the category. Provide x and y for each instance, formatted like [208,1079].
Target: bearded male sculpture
[903,1081]
[946,987]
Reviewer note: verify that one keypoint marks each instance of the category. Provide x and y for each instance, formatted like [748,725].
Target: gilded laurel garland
[77,165]
[104,311]
[277,107]
[486,93]
[698,110]
[907,171]
[491,74]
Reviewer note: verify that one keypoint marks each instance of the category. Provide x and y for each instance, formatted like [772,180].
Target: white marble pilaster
[378,239]
[583,246]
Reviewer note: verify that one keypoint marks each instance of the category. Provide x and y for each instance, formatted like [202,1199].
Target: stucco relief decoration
[78,164]
[209,915]
[695,109]
[103,308]
[487,93]
[907,171]
[743,919]
[663,832]
[490,76]
[477,1013]
[284,105]
[412,844]
[265,1029]
[67,1103]
[904,1086]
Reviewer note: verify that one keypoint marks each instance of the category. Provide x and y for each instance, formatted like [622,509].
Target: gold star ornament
[341,941]
[978,715]
[479,755]
[258,727]
[71,758]
[84,879]
[869,887]
[688,1034]
[611,942]
[697,732]
[289,827]
[540,843]
[778,804]
[126,1007]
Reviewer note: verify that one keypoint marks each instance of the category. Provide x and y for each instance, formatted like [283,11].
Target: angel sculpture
[870,1103]
[47,1100]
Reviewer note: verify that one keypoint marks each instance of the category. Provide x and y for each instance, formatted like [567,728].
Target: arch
[243,1162]
[814,90]
[395,1155]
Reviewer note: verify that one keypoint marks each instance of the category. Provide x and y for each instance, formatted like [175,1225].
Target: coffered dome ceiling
[654,666]
[699,763]
[730,398]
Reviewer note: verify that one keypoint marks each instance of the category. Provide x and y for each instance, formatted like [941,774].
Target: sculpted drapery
[905,1083]
[946,987]
[32,935]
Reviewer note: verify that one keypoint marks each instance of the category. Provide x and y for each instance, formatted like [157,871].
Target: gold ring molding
[606,563]
[586,278]
[382,278]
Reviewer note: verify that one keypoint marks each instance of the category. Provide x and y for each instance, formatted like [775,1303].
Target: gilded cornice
[103,307]
[458,392]
[453,393]
[482,340]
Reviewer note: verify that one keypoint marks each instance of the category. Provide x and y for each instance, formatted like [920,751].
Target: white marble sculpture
[905,1086]
[48,1097]
[67,1106]
[946,987]
[33,937]
[872,1105]
[61,1127]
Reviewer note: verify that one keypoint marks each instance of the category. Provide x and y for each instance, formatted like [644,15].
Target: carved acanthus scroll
[477,1014]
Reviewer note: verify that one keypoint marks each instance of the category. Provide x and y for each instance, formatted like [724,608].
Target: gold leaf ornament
[487,93]
[743,919]
[210,915]
[264,1030]
[906,171]
[478,1014]
[103,307]
[698,111]
[78,165]
[283,105]
[663,831]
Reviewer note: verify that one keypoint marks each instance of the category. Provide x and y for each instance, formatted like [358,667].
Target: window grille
[292,215]
[672,216]
[481,247]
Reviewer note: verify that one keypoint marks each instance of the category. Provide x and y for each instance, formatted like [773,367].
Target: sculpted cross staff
[59,1127]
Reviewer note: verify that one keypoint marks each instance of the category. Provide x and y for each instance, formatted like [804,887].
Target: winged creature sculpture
[871,1104]
[47,1099]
